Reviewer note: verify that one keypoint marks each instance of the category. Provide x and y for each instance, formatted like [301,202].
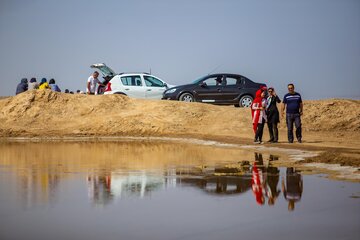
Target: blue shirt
[55,87]
[292,102]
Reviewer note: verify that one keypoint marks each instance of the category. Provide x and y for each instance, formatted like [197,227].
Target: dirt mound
[332,115]
[48,113]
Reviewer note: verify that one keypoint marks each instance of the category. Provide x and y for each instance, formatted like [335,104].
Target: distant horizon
[314,44]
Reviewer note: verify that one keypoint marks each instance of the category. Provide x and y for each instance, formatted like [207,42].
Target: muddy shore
[330,127]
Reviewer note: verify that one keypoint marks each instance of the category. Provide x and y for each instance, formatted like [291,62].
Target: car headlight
[170,91]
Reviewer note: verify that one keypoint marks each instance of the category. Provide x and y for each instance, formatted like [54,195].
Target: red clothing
[255,112]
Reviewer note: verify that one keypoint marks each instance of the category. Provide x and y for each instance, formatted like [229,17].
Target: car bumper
[169,97]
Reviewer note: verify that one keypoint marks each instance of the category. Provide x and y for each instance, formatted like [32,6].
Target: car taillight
[108,87]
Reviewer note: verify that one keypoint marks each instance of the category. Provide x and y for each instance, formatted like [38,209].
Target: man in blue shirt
[294,109]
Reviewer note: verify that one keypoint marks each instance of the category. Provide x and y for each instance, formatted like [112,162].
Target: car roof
[131,73]
[230,74]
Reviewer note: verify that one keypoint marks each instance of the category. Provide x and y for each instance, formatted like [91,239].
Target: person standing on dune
[259,114]
[294,109]
[91,83]
[272,113]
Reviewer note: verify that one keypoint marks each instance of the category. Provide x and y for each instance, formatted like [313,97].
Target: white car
[136,85]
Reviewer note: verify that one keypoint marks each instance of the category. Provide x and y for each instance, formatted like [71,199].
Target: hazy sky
[312,43]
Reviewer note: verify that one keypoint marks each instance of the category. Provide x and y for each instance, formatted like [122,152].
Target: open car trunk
[105,70]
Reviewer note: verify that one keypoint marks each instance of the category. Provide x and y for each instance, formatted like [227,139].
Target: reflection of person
[272,180]
[293,188]
[99,188]
[294,109]
[91,83]
[272,114]
[259,115]
[258,179]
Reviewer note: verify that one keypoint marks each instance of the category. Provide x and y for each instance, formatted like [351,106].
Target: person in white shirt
[91,83]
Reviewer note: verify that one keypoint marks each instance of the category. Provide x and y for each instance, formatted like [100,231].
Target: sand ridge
[48,113]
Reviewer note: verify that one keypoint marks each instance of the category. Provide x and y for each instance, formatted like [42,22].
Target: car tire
[245,101]
[186,97]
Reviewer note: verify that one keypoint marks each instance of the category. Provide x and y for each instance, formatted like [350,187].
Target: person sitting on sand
[54,86]
[22,86]
[44,84]
[33,84]
[272,114]
[259,114]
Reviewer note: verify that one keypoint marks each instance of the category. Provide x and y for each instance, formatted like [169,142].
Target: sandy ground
[331,126]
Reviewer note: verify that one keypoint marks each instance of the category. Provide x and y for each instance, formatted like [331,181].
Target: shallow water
[153,190]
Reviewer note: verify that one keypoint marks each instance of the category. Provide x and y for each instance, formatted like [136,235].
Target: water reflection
[114,171]
[292,188]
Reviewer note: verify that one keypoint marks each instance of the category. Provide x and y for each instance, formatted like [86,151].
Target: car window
[230,81]
[242,80]
[131,80]
[153,82]
[213,81]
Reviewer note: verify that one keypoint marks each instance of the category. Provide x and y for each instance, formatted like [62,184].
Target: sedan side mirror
[202,84]
[165,85]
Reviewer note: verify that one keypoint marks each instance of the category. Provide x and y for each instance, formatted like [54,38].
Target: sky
[314,44]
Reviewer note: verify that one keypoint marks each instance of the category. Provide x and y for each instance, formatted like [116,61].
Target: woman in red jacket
[259,118]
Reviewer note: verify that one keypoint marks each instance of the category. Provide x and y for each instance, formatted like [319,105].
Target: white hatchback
[136,85]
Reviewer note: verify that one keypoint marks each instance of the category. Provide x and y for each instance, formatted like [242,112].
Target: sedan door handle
[127,89]
[219,89]
[148,90]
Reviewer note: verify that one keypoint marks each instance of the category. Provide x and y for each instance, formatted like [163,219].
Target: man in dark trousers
[293,188]
[294,109]
[272,113]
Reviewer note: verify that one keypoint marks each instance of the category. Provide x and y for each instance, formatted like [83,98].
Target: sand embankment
[332,123]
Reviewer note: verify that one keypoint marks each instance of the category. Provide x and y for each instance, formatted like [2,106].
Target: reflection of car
[221,88]
[137,85]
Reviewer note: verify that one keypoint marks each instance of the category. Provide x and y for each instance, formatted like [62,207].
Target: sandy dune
[329,124]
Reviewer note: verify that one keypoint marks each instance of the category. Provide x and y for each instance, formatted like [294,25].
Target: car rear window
[131,80]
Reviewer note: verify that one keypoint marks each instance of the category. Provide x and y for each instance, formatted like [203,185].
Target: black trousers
[259,131]
[273,131]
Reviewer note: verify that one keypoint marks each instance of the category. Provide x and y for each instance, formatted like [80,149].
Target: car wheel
[245,101]
[186,97]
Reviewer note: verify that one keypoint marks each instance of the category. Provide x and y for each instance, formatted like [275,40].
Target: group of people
[265,110]
[24,85]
